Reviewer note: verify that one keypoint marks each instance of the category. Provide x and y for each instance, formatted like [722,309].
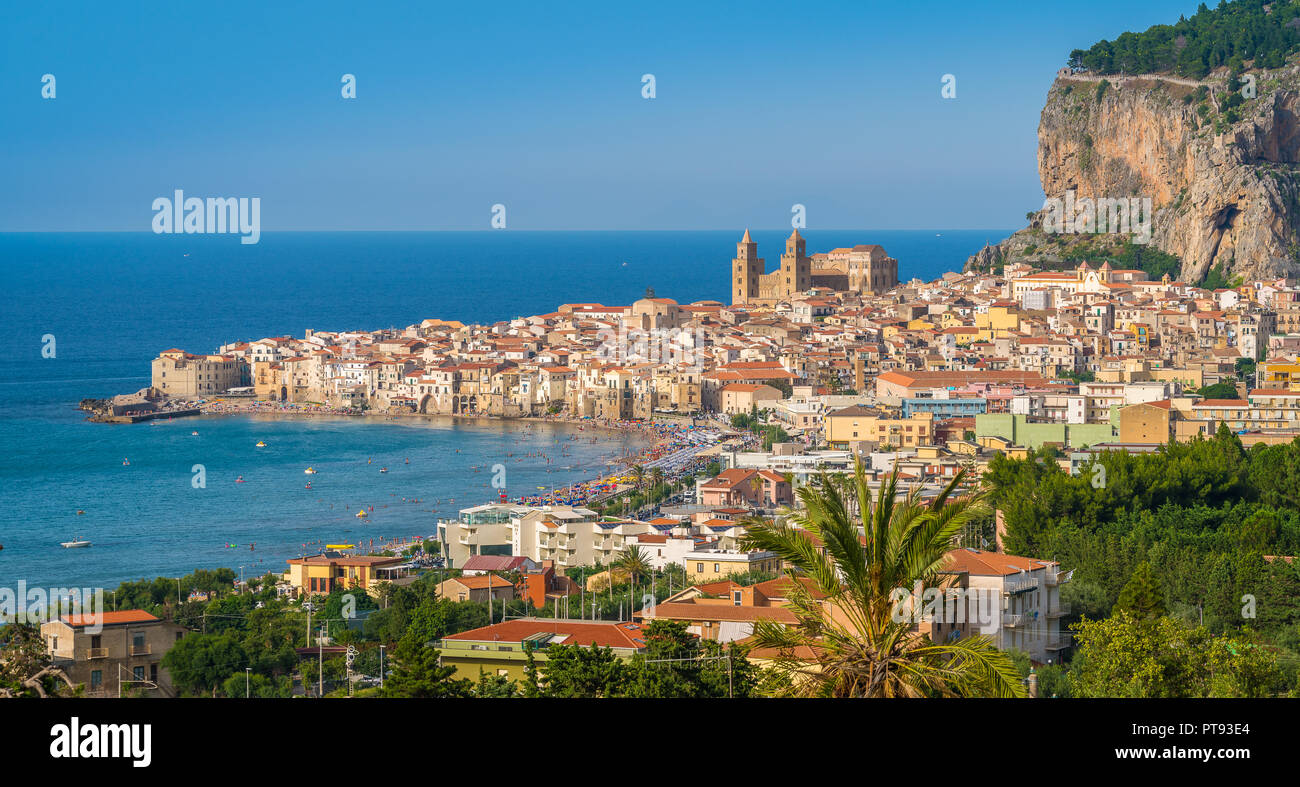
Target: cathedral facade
[863,269]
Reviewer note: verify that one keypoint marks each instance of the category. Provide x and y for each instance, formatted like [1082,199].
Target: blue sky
[759,105]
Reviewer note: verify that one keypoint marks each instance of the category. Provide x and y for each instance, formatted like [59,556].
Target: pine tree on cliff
[1142,597]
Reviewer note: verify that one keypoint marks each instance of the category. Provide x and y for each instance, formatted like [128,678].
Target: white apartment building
[663,550]
[479,530]
[1026,608]
[571,536]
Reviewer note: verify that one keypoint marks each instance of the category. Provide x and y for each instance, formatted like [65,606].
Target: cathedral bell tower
[796,268]
[746,271]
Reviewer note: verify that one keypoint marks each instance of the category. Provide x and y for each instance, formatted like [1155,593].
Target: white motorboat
[75,543]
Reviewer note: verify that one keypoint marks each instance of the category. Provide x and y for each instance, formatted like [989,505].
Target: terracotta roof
[482,581]
[109,618]
[684,610]
[601,634]
[980,563]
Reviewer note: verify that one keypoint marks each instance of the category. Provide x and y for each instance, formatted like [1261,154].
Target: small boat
[260,444]
[75,543]
[239,480]
[311,471]
[194,434]
[361,515]
[383,469]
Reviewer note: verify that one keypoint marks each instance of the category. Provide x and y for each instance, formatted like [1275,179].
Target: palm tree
[656,479]
[633,563]
[638,474]
[851,642]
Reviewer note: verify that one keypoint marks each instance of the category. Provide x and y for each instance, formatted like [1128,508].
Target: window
[153,672]
[716,568]
[699,567]
[137,640]
[96,678]
[138,672]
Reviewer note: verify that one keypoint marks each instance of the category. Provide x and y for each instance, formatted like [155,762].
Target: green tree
[257,686]
[1125,656]
[578,671]
[200,663]
[1142,597]
[633,563]
[867,649]
[1223,390]
[26,669]
[417,673]
[495,687]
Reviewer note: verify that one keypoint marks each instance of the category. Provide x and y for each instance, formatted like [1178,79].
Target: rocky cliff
[1223,179]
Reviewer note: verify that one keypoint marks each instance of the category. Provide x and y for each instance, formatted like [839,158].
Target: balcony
[1060,612]
[1054,578]
[1060,641]
[1013,621]
[1019,583]
[141,650]
[96,653]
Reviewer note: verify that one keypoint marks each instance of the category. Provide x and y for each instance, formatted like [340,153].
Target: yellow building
[1280,373]
[1146,423]
[859,424]
[330,571]
[1000,320]
[708,565]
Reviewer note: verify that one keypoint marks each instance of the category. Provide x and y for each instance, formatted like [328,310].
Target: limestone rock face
[1224,193]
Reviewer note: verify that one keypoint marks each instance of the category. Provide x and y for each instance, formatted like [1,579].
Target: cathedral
[863,269]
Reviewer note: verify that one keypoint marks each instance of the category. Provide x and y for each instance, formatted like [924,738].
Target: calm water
[111,302]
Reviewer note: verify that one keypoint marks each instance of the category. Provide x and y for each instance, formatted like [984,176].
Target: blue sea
[107,303]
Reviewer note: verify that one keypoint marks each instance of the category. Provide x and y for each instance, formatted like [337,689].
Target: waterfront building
[329,571]
[179,374]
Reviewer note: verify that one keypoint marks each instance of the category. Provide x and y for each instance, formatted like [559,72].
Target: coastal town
[844,358]
[827,368]
[647,361]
